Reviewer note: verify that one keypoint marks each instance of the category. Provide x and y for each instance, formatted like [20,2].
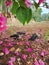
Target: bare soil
[28,28]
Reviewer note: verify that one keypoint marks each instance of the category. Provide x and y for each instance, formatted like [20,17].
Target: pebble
[18,49]
[1,53]
[18,59]
[12,49]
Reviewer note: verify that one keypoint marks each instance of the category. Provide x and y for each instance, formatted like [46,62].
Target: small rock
[18,49]
[12,49]
[29,63]
[18,59]
[1,54]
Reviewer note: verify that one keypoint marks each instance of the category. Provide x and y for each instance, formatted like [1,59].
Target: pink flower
[27,36]
[41,62]
[10,63]
[27,43]
[5,45]
[28,3]
[40,29]
[12,59]
[6,51]
[29,50]
[41,1]
[1,42]
[3,28]
[33,55]
[8,2]
[43,53]
[2,19]
[2,23]
[20,43]
[16,53]
[37,40]
[42,41]
[10,45]
[24,56]
[36,62]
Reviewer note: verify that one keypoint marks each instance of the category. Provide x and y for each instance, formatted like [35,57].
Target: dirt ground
[31,27]
[38,46]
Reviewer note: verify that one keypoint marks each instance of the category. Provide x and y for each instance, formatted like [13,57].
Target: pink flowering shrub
[8,2]
[2,23]
[41,1]
[1,42]
[28,3]
[25,5]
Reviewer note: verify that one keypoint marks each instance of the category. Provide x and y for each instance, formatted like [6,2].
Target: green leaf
[29,15]
[3,6]
[22,3]
[21,14]
[24,15]
[36,5]
[46,38]
[14,7]
[13,0]
[36,14]
[46,35]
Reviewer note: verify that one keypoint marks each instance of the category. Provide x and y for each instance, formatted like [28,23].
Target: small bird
[21,33]
[33,37]
[15,36]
